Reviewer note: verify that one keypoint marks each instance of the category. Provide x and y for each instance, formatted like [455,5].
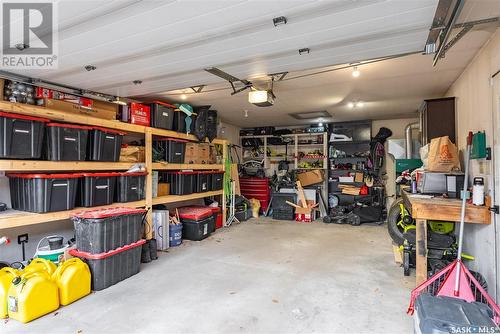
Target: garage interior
[250,166]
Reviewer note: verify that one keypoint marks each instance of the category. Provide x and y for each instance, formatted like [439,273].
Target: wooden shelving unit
[11,219]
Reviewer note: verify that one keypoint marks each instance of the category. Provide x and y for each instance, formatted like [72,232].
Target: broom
[455,280]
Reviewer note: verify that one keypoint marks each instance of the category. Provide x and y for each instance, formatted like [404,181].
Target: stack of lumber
[349,190]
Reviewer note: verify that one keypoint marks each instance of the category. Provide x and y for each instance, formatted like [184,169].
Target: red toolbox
[258,188]
[139,114]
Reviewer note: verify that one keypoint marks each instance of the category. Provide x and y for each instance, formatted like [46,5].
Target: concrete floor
[261,276]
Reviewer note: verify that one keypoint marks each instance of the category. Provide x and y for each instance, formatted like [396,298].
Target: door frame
[495,87]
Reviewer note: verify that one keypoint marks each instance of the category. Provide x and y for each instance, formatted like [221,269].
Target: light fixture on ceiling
[355,72]
[357,104]
[320,124]
[245,113]
[89,68]
[277,21]
[183,97]
[118,101]
[137,82]
[261,98]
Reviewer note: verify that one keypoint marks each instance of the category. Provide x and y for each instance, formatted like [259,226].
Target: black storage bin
[21,137]
[181,183]
[172,150]
[130,187]
[114,266]
[96,189]
[162,115]
[180,122]
[197,222]
[217,181]
[203,181]
[43,192]
[105,144]
[283,213]
[100,231]
[66,142]
[280,199]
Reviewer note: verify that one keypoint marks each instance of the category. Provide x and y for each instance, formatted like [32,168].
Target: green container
[404,164]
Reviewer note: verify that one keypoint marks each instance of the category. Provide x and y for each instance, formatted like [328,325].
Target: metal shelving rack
[11,219]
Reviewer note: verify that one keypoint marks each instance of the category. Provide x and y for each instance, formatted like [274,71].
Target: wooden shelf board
[167,166]
[13,218]
[178,198]
[174,134]
[38,165]
[62,116]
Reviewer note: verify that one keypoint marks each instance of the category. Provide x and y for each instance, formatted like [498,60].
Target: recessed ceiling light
[355,72]
[360,104]
[90,68]
[137,82]
[350,105]
[320,124]
[183,97]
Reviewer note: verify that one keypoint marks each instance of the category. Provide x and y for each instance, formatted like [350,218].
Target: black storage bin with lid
[105,144]
[114,266]
[197,222]
[102,230]
[162,115]
[21,137]
[43,192]
[66,142]
[130,187]
[203,181]
[182,182]
[172,150]
[217,180]
[96,189]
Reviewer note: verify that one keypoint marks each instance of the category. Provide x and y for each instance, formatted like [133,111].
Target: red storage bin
[217,212]
[139,114]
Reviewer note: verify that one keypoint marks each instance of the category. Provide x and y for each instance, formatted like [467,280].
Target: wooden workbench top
[446,209]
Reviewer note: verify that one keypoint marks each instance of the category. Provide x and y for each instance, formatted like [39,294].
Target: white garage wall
[474,111]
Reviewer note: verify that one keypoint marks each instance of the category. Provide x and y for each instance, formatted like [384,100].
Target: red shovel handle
[469,138]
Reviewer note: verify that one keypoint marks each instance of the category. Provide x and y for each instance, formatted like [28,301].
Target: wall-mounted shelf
[13,218]
[179,198]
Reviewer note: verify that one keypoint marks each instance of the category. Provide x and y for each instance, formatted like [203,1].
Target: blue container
[174,235]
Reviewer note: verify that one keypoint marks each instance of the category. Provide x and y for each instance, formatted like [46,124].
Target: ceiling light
[137,82]
[183,97]
[261,98]
[90,68]
[118,101]
[360,104]
[320,124]
[350,105]
[355,72]
[279,20]
[246,113]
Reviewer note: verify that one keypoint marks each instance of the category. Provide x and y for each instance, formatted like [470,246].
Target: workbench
[422,208]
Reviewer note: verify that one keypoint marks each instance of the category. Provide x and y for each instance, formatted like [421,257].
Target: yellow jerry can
[73,280]
[32,295]
[7,274]
[38,264]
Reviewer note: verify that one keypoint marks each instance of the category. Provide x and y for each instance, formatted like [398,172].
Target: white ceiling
[167,44]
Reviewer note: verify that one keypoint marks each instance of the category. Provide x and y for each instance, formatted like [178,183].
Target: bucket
[175,234]
[47,252]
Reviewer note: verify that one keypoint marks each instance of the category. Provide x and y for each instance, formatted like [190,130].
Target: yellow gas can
[32,295]
[7,274]
[73,280]
[38,264]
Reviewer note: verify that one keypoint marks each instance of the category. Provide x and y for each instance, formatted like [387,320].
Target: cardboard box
[204,153]
[163,189]
[311,177]
[191,153]
[130,153]
[99,109]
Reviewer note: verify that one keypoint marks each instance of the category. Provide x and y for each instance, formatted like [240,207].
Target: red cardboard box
[139,114]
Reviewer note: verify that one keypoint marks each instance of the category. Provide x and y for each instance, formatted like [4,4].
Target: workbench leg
[421,260]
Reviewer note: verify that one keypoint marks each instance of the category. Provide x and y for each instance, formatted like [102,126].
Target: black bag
[212,125]
[200,124]
[368,214]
